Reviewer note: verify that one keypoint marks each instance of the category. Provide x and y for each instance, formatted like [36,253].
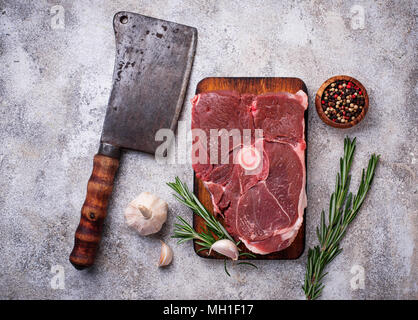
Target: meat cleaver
[152,68]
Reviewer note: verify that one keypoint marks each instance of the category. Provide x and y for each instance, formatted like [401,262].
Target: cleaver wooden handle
[94,211]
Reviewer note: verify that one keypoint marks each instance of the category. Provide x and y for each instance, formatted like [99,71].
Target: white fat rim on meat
[215,206]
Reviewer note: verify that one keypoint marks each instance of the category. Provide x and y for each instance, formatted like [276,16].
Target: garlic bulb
[225,247]
[166,255]
[146,213]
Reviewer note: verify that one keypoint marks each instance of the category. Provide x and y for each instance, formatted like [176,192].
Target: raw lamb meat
[262,207]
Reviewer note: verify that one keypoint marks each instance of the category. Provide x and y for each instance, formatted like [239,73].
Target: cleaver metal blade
[152,68]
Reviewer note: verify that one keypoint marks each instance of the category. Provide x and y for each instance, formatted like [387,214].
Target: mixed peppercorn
[342,101]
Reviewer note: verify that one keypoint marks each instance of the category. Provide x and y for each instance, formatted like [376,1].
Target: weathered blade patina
[152,68]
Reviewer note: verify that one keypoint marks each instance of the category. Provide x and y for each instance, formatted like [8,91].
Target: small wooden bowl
[324,117]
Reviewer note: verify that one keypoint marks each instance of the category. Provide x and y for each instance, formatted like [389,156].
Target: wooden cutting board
[254,86]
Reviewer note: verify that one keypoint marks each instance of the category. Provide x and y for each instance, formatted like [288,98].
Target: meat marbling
[264,210]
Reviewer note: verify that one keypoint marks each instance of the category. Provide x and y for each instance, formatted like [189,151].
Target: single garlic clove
[225,247]
[166,255]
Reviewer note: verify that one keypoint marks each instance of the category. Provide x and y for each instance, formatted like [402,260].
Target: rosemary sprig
[214,229]
[343,208]
[185,231]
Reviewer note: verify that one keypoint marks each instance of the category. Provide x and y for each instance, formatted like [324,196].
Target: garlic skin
[166,255]
[146,213]
[225,247]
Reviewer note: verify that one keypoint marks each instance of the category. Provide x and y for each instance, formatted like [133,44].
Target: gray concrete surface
[54,87]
